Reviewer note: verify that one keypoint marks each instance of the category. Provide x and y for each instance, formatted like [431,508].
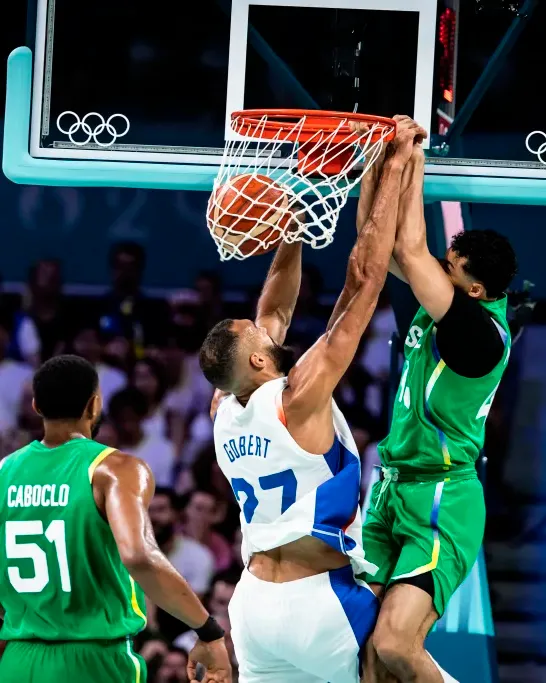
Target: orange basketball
[249,212]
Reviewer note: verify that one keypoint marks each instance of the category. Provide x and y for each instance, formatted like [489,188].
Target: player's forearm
[370,257]
[167,589]
[373,248]
[411,231]
[282,285]
[368,188]
[420,269]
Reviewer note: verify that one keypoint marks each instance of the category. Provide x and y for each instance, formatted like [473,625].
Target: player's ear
[257,360]
[94,407]
[477,290]
[35,409]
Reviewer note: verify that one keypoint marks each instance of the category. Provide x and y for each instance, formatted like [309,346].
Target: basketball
[249,212]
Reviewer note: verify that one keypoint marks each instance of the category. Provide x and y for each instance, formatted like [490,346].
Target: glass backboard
[120,82]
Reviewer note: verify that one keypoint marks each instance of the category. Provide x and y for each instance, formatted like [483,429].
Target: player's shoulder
[119,465]
[16,456]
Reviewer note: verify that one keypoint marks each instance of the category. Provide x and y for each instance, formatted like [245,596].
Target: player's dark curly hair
[217,355]
[63,386]
[491,259]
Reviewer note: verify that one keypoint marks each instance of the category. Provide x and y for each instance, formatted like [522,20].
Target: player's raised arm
[280,291]
[277,300]
[428,280]
[123,487]
[368,188]
[317,373]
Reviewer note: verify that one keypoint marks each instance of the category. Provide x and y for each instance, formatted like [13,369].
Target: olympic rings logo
[541,151]
[93,133]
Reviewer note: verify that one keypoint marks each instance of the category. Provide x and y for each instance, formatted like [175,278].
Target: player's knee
[395,651]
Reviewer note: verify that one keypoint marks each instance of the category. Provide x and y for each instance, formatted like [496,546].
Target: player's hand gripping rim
[409,134]
[214,657]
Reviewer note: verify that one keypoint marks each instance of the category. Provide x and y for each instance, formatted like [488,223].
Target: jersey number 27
[285,480]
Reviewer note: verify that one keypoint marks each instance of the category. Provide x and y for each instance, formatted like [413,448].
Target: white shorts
[307,631]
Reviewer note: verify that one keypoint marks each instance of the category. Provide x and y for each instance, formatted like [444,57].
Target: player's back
[61,576]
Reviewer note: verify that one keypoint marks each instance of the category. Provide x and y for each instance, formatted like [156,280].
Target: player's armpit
[123,487]
[429,282]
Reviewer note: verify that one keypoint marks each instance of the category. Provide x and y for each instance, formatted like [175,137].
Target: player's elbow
[135,558]
[405,250]
[365,276]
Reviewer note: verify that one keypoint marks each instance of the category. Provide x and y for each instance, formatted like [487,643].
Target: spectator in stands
[107,434]
[200,515]
[359,396]
[127,410]
[125,309]
[117,351]
[28,419]
[41,325]
[189,557]
[206,475]
[376,354]
[13,440]
[173,667]
[209,288]
[47,307]
[13,377]
[149,377]
[308,321]
[221,592]
[236,548]
[86,343]
[190,393]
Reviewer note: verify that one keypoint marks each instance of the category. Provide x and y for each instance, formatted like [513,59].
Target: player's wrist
[394,164]
[211,630]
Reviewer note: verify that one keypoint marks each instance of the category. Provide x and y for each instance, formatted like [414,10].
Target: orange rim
[316,121]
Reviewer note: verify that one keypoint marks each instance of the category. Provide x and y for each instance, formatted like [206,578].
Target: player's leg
[406,613]
[256,626]
[381,550]
[331,618]
[441,527]
[377,538]
[84,662]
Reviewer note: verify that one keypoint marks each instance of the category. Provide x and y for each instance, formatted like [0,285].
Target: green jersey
[61,576]
[439,417]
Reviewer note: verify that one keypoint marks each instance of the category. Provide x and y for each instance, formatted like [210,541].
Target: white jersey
[286,493]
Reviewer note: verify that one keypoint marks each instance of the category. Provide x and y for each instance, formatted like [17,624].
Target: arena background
[59,260]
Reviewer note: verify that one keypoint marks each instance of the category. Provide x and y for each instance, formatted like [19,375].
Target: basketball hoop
[313,156]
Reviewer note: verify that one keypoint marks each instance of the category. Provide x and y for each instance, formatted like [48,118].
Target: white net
[289,186]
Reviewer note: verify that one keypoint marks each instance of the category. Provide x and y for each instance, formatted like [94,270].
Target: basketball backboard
[121,83]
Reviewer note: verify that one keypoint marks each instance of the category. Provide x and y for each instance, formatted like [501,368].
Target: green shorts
[110,661]
[422,524]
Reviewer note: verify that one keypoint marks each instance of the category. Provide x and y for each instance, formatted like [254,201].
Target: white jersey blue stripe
[286,493]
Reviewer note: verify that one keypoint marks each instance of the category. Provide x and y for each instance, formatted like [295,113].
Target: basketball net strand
[312,203]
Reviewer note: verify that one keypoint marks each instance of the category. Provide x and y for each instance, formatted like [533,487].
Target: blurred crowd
[156,406]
